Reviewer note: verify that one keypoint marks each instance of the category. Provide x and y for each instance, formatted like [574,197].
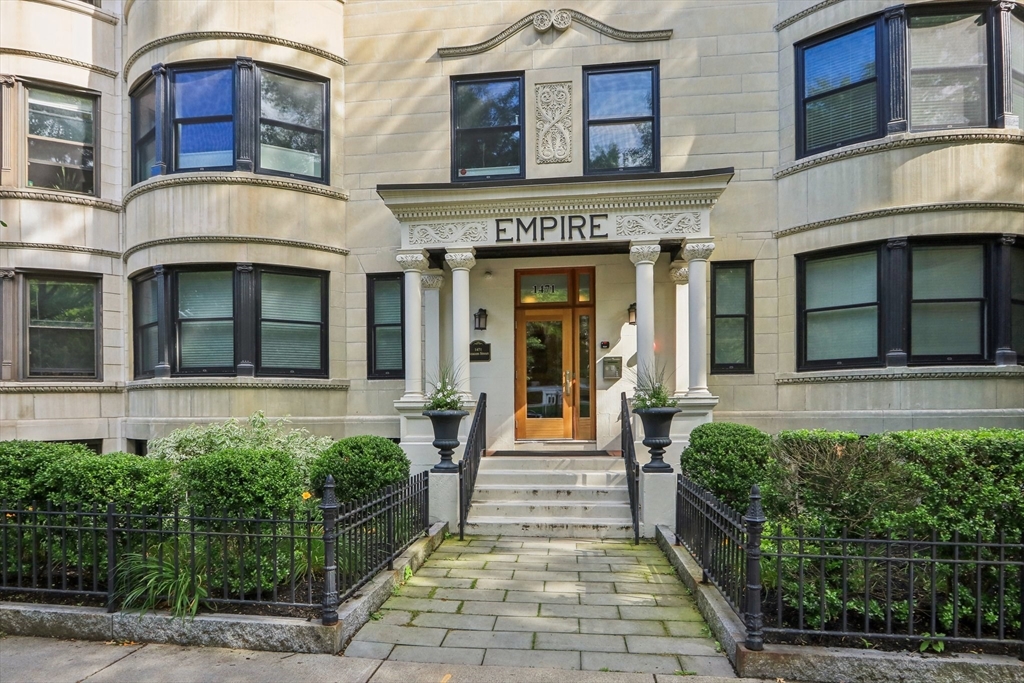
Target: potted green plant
[656,408]
[444,408]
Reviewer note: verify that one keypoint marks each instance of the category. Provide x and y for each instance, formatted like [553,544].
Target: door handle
[567,386]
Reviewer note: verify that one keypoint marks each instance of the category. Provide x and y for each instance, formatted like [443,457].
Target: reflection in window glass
[206,328]
[841,307]
[732,319]
[290,321]
[204,121]
[488,128]
[621,120]
[146,326]
[948,301]
[1017,302]
[385,326]
[144,127]
[291,125]
[61,328]
[61,132]
[544,288]
[948,71]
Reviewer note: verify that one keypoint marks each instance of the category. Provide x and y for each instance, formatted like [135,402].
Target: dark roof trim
[526,182]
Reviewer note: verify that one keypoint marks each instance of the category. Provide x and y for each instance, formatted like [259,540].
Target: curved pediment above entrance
[587,214]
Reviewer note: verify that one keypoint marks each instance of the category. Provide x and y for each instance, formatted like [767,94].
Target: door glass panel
[544,369]
[584,288]
[584,374]
[544,288]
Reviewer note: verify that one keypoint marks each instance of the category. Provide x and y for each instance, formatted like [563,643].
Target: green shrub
[20,460]
[92,479]
[242,480]
[361,466]
[728,459]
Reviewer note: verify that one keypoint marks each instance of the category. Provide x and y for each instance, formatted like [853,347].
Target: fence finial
[329,506]
[755,511]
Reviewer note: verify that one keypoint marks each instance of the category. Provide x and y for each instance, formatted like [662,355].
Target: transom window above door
[487,127]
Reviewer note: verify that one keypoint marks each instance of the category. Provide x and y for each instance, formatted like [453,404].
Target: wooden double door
[554,328]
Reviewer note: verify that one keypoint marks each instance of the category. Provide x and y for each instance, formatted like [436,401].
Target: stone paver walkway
[558,603]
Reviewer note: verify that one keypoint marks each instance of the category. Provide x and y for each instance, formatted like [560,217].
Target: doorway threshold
[544,446]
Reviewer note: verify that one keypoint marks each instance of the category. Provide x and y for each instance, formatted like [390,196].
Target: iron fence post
[705,532]
[753,617]
[329,506]
[389,493]
[462,500]
[111,559]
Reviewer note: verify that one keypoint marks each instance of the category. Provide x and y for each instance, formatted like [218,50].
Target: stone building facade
[803,214]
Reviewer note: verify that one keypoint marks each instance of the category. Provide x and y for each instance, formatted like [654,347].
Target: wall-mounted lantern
[631,312]
[480,319]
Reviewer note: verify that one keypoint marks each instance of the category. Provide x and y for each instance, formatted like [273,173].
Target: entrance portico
[464,247]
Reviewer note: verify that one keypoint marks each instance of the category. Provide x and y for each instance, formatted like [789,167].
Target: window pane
[840,62]
[387,302]
[61,116]
[730,291]
[148,349]
[387,348]
[61,352]
[62,304]
[290,151]
[146,307]
[1017,274]
[290,297]
[289,345]
[58,177]
[945,329]
[206,145]
[203,93]
[206,294]
[842,280]
[622,145]
[730,341]
[486,105]
[487,153]
[60,153]
[145,158]
[948,272]
[544,288]
[62,328]
[1017,325]
[144,106]
[842,116]
[207,344]
[846,333]
[1017,66]
[291,100]
[949,73]
[620,95]
[584,287]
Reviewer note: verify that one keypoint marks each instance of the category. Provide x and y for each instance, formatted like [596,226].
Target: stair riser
[559,479]
[534,464]
[550,530]
[581,494]
[527,511]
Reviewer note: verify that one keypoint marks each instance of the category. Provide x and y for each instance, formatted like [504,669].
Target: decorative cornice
[698,251]
[39,388]
[60,60]
[232,178]
[230,35]
[543,20]
[232,239]
[902,142]
[413,262]
[900,210]
[178,383]
[60,247]
[460,260]
[83,8]
[431,281]
[680,276]
[644,253]
[902,374]
[805,13]
[59,198]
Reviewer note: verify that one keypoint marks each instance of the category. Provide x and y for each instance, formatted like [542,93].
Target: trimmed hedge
[20,460]
[361,466]
[243,480]
[728,459]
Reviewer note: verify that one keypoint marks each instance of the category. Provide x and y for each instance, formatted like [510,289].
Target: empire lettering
[573,228]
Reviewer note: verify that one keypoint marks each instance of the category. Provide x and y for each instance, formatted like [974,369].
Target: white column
[460,260]
[644,255]
[413,262]
[432,283]
[680,275]
[696,255]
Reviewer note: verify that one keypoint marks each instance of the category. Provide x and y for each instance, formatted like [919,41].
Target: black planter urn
[446,436]
[657,425]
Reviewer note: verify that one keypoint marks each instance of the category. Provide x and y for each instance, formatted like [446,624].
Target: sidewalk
[43,660]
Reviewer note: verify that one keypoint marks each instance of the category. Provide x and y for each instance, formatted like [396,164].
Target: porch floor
[598,605]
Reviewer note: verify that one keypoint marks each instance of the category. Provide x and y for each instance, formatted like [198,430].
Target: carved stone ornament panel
[448,233]
[644,253]
[699,251]
[681,276]
[554,123]
[632,225]
[431,281]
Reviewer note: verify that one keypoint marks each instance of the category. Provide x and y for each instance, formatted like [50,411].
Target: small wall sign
[479,352]
[611,367]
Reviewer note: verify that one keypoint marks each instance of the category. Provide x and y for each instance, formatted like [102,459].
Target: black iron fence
[632,466]
[907,590]
[189,557]
[476,442]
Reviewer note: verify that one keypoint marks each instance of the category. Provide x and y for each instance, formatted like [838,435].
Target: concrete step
[531,509]
[547,492]
[554,527]
[553,463]
[564,479]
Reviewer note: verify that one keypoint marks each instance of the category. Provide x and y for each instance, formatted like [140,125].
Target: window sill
[901,141]
[232,178]
[898,374]
[239,383]
[61,386]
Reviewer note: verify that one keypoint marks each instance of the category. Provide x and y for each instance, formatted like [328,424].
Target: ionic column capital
[432,281]
[644,253]
[680,275]
[7,80]
[6,274]
[460,260]
[413,261]
[698,251]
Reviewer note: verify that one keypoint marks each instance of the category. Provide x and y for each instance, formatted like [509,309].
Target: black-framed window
[239,115]
[621,122]
[62,320]
[487,127]
[923,67]
[231,319]
[61,140]
[922,301]
[385,322]
[732,317]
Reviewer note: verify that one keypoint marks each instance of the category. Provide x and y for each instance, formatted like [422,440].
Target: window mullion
[245,320]
[163,321]
[1002,321]
[1001,61]
[894,62]
[245,119]
[893,300]
[162,116]
[7,323]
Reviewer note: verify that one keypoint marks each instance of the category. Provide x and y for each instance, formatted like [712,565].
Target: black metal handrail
[476,442]
[632,467]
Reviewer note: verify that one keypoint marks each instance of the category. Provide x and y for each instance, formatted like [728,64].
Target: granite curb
[827,664]
[275,634]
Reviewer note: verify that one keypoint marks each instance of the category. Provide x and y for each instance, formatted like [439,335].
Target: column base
[1006,357]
